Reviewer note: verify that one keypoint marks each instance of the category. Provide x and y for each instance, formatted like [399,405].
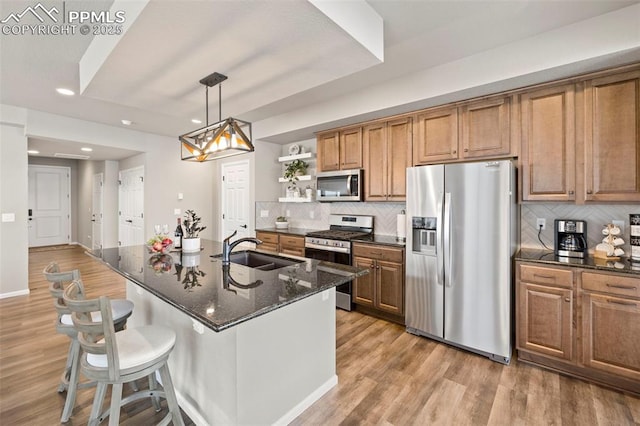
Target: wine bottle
[177,236]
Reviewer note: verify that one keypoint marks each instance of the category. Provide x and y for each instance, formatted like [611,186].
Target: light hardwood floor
[386,376]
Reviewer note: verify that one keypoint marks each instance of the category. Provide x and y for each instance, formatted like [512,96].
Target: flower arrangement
[192,226]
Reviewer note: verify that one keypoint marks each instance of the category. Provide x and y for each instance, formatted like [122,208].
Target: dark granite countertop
[289,231]
[385,240]
[624,265]
[221,297]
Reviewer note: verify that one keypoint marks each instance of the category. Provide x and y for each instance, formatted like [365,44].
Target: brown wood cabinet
[437,136]
[340,150]
[486,128]
[545,311]
[548,144]
[580,321]
[611,324]
[281,243]
[612,138]
[478,129]
[387,154]
[383,288]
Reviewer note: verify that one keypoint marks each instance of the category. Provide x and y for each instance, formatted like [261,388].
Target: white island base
[266,370]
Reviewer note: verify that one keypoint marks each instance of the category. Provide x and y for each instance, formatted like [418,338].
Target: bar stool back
[70,378]
[112,358]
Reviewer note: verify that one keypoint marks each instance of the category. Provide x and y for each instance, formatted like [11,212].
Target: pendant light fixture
[222,139]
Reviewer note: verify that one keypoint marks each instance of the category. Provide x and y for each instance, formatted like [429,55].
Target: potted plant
[192,228]
[281,222]
[291,173]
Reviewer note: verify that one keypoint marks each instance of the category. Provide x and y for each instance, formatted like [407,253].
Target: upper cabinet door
[612,138]
[328,148]
[486,128]
[375,162]
[437,136]
[548,144]
[399,142]
[351,148]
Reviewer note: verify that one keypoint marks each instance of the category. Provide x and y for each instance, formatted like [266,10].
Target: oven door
[343,291]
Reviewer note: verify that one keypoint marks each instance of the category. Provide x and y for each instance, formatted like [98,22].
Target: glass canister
[634,240]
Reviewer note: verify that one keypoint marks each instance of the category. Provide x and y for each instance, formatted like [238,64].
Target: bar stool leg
[116,399]
[170,395]
[98,400]
[74,376]
[153,386]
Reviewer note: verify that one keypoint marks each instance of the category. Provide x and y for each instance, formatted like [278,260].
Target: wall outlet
[176,211]
[264,213]
[312,214]
[541,223]
[619,224]
[288,213]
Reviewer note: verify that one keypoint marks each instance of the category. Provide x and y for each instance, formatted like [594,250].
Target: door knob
[243,226]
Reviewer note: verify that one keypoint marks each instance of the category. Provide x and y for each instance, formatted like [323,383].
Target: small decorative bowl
[154,249]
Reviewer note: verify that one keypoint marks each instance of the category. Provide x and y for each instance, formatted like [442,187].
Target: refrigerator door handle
[439,241]
[446,232]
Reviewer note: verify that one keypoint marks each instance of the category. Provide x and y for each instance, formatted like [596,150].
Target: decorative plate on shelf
[294,149]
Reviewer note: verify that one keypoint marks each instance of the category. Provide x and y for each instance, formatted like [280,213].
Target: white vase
[190,245]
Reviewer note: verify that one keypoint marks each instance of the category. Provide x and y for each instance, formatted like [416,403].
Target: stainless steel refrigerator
[461,238]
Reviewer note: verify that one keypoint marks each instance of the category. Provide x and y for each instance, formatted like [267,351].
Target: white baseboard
[307,402]
[14,294]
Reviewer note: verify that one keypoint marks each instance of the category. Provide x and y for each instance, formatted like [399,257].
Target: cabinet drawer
[613,284]
[548,276]
[378,252]
[267,237]
[291,242]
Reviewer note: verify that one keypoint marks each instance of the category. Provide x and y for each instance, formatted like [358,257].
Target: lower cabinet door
[545,320]
[389,287]
[364,286]
[611,334]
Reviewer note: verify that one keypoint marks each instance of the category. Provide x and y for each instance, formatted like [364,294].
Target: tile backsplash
[316,215]
[596,216]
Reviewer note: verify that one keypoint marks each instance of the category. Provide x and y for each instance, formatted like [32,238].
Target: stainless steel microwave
[340,185]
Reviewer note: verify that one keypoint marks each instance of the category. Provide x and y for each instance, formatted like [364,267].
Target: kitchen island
[253,346]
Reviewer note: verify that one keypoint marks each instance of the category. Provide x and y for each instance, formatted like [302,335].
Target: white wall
[14,237]
[110,204]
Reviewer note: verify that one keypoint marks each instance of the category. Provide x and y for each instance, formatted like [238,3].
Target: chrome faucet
[227,247]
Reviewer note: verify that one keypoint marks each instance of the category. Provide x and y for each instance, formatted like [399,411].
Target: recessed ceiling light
[86,149]
[196,121]
[66,92]
[126,122]
[32,151]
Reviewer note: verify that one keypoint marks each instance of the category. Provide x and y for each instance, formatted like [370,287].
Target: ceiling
[278,55]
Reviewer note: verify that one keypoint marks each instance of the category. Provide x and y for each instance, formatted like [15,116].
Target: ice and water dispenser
[424,233]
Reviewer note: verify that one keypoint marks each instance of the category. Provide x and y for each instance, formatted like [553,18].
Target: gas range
[343,229]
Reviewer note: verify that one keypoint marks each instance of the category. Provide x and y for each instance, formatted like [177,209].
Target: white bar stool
[69,381]
[112,358]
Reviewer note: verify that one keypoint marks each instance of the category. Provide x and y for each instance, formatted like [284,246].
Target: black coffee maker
[570,238]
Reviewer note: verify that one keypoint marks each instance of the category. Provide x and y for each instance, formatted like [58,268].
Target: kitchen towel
[401,229]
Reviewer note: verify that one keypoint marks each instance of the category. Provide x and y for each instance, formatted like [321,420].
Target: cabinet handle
[571,192]
[377,253]
[454,151]
[377,266]
[466,150]
[624,287]
[547,277]
[619,302]
[589,191]
[567,299]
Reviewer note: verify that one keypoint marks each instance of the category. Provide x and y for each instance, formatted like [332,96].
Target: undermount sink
[262,261]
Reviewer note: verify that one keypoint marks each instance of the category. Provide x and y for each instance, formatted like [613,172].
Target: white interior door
[131,207]
[96,211]
[235,199]
[49,205]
